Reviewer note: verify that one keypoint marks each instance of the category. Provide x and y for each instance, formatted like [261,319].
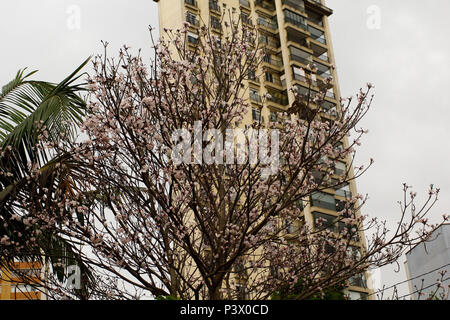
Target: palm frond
[25,106]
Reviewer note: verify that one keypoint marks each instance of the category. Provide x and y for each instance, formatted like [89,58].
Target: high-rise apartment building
[296,34]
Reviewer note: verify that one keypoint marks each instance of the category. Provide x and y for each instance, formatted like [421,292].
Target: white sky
[406,59]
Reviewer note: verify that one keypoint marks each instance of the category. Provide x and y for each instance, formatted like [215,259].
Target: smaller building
[13,286]
[425,264]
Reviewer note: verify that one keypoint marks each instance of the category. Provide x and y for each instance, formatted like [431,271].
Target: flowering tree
[154,214]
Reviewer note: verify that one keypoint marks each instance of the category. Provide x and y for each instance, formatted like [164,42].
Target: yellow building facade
[12,286]
[296,34]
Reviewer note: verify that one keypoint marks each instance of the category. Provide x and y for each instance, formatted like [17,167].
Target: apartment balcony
[301,26]
[214,6]
[305,82]
[255,97]
[192,21]
[246,20]
[323,57]
[192,40]
[292,4]
[278,100]
[315,18]
[330,109]
[318,47]
[323,73]
[297,31]
[274,83]
[267,7]
[344,191]
[323,201]
[191,3]
[331,222]
[330,94]
[270,26]
[304,61]
[271,44]
[317,5]
[317,35]
[273,63]
[253,79]
[331,113]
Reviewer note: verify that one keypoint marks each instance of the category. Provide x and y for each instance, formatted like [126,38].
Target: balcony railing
[213,5]
[216,26]
[324,57]
[297,23]
[246,19]
[299,5]
[275,81]
[192,40]
[273,61]
[191,2]
[253,78]
[265,5]
[303,60]
[317,35]
[319,3]
[268,24]
[284,101]
[316,21]
[192,21]
[255,97]
[323,204]
[330,94]
[320,39]
[326,74]
[306,80]
[270,42]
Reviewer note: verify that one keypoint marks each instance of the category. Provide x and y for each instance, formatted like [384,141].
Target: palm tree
[25,107]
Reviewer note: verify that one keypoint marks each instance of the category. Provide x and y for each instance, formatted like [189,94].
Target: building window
[254,95]
[191,18]
[246,18]
[256,114]
[323,200]
[344,191]
[214,5]
[300,55]
[340,168]
[192,38]
[273,116]
[191,2]
[295,19]
[315,17]
[269,77]
[215,23]
[317,34]
[252,75]
[324,221]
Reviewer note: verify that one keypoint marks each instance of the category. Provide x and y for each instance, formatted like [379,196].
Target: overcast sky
[404,53]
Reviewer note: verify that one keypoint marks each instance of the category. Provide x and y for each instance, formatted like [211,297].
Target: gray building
[425,262]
